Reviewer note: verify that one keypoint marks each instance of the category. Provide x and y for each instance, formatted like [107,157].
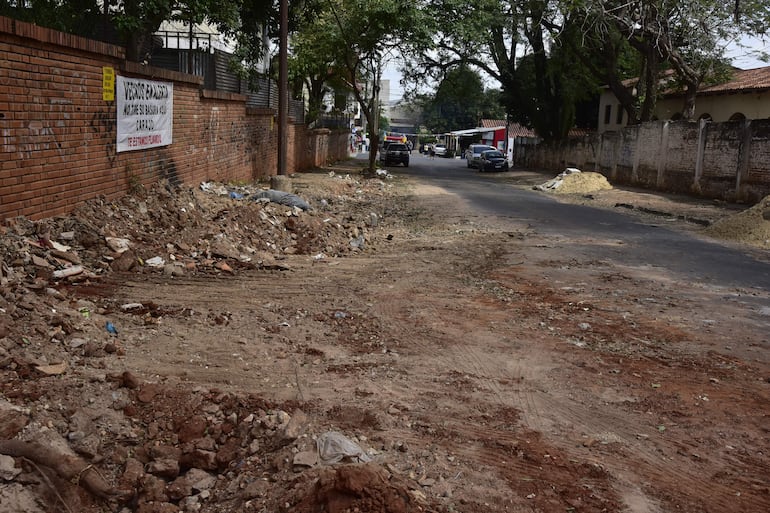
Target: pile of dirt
[752,226]
[574,181]
[76,435]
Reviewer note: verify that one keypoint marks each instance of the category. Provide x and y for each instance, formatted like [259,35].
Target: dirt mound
[63,341]
[362,487]
[574,181]
[752,226]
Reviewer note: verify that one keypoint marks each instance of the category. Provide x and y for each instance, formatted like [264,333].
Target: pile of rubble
[160,454]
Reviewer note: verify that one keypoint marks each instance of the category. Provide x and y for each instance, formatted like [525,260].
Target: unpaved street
[482,364]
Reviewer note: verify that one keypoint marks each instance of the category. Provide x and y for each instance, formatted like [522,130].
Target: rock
[129,380]
[179,488]
[306,459]
[162,451]
[229,452]
[153,488]
[173,270]
[157,507]
[258,488]
[201,480]
[12,420]
[132,473]
[87,446]
[8,470]
[164,467]
[294,428]
[125,262]
[148,392]
[190,504]
[198,458]
[192,428]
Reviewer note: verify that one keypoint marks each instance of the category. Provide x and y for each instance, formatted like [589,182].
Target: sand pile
[574,181]
[752,226]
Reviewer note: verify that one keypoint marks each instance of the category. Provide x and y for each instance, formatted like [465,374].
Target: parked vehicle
[440,150]
[473,153]
[395,153]
[492,160]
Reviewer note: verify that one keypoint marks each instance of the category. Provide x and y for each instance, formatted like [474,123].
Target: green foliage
[79,17]
[348,44]
[460,101]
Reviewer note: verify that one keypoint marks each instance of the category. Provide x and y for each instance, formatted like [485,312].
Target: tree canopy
[460,101]
[548,56]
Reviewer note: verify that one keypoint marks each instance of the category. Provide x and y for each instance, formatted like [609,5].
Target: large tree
[493,36]
[686,36]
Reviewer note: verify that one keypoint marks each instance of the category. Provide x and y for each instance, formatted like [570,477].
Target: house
[745,96]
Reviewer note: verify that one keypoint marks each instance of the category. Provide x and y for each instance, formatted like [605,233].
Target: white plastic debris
[333,447]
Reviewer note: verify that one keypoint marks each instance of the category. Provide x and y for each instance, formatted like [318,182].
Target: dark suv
[395,153]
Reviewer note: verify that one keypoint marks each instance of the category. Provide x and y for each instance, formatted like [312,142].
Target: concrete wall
[58,136]
[729,160]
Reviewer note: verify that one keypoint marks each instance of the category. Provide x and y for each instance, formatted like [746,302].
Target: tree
[362,37]
[493,36]
[79,17]
[688,36]
[459,102]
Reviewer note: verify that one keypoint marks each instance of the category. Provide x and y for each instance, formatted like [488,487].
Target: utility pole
[283,88]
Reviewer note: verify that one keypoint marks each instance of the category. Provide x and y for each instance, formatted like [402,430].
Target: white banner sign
[145,113]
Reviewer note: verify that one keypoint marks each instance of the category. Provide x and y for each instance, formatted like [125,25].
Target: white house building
[745,96]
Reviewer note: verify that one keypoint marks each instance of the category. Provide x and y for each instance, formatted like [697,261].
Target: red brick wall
[58,136]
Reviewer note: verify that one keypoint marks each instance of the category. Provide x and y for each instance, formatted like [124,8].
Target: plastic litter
[282,198]
[155,262]
[111,328]
[68,271]
[334,447]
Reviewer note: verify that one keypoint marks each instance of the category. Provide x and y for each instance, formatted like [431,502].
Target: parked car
[395,153]
[473,153]
[492,160]
[439,150]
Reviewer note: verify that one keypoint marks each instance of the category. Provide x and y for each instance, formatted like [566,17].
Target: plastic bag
[284,198]
[333,447]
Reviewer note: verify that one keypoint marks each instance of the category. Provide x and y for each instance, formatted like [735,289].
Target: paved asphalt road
[690,258]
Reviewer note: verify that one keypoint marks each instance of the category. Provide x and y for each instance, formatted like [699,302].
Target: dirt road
[479,365]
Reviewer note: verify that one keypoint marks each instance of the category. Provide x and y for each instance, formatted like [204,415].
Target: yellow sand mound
[573,181]
[752,226]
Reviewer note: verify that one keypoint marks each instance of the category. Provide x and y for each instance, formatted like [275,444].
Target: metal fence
[214,66]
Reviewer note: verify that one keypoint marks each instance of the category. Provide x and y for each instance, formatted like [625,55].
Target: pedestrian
[432,152]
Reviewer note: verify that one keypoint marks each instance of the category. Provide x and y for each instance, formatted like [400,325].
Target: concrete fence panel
[729,160]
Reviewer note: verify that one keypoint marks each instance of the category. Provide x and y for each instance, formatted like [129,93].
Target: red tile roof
[743,80]
[492,123]
[517,130]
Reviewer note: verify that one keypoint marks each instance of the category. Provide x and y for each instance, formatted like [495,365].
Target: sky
[743,59]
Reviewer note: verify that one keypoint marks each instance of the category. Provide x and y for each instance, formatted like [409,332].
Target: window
[607,114]
[619,119]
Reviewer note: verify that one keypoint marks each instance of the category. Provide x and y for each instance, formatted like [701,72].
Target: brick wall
[729,160]
[58,136]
